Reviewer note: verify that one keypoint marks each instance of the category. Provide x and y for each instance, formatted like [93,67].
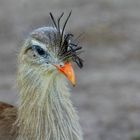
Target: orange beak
[68,71]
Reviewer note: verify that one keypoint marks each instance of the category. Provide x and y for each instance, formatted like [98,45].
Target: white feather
[45,109]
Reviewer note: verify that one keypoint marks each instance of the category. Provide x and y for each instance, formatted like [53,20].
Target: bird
[45,110]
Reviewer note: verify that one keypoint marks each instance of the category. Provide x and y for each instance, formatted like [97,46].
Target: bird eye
[39,50]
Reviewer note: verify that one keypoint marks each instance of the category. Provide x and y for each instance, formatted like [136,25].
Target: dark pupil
[39,50]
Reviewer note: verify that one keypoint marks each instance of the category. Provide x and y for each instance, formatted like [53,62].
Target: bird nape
[45,111]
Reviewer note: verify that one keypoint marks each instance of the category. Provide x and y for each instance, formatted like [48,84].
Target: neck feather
[45,109]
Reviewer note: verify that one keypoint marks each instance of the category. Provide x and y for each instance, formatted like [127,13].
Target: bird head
[51,50]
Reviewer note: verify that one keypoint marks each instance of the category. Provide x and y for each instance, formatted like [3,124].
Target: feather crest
[68,49]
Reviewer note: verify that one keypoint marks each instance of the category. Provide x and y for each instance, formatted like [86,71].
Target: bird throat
[45,110]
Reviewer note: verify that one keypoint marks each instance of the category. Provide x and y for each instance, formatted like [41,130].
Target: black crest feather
[68,49]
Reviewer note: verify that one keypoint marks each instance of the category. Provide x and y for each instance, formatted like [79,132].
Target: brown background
[108,92]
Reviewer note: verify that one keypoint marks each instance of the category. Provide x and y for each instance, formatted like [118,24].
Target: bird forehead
[46,35]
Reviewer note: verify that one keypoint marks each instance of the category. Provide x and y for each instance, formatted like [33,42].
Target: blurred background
[108,92]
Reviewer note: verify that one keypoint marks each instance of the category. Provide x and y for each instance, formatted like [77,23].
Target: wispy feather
[68,49]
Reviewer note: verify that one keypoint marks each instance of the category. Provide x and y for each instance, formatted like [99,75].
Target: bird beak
[68,71]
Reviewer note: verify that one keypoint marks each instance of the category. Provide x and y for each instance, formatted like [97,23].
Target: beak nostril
[61,65]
